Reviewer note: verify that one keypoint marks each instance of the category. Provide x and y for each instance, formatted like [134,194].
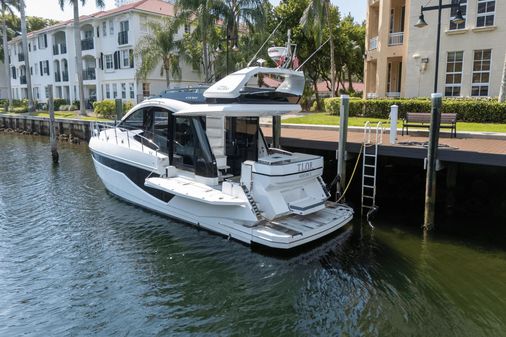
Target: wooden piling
[432,155]
[52,130]
[343,135]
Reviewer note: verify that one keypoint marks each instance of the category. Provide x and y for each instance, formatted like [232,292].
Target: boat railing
[98,127]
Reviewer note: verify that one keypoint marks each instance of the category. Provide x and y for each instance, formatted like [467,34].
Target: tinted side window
[134,121]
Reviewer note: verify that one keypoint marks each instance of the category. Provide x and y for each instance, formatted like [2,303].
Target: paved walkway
[465,150]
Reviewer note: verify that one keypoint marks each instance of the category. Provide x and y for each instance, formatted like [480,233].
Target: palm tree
[21,8]
[316,15]
[200,13]
[6,7]
[160,45]
[77,41]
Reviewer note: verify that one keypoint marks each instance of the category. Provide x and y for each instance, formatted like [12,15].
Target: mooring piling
[394,115]
[52,122]
[432,155]
[343,133]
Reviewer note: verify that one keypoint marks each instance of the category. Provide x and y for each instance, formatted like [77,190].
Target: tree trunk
[6,57]
[332,56]
[502,91]
[350,82]
[29,91]
[315,86]
[167,75]
[205,49]
[79,62]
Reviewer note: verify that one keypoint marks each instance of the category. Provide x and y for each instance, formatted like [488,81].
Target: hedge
[468,110]
[107,108]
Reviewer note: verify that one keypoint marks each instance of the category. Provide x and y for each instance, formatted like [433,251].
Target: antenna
[262,47]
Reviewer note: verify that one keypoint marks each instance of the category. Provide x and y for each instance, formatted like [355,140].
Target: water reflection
[76,261]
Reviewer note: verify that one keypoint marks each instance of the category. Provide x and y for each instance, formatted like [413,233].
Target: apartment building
[108,40]
[3,81]
[400,58]
[119,3]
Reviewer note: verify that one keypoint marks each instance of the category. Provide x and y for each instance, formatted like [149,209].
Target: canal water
[76,261]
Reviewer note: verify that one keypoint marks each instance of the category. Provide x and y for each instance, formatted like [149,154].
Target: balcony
[373,2]
[89,74]
[87,44]
[395,39]
[65,75]
[57,77]
[21,57]
[373,43]
[123,38]
[22,79]
[59,49]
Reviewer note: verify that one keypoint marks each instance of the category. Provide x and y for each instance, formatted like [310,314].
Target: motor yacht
[210,165]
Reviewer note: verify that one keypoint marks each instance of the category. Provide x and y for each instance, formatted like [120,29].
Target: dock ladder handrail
[370,164]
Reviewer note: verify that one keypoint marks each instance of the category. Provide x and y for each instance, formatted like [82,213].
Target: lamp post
[432,155]
[457,19]
[234,47]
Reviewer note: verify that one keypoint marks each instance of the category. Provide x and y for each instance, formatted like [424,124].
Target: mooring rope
[352,174]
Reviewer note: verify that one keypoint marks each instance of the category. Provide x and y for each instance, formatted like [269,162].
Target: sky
[51,9]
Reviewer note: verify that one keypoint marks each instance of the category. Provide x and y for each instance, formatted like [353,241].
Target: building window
[107,91]
[125,57]
[486,13]
[111,27]
[453,13]
[123,90]
[132,91]
[145,90]
[481,72]
[104,28]
[109,65]
[123,26]
[454,62]
[42,41]
[114,90]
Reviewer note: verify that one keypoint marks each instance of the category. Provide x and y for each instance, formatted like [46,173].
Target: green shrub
[467,109]
[105,108]
[57,102]
[67,107]
[127,106]
[77,104]
[4,104]
[19,110]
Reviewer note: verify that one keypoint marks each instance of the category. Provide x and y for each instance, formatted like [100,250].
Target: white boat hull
[237,222]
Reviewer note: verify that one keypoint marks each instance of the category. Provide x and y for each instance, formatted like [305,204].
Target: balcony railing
[373,2]
[123,38]
[372,95]
[65,75]
[21,57]
[89,74]
[22,79]
[57,77]
[87,44]
[395,39]
[393,94]
[59,49]
[373,43]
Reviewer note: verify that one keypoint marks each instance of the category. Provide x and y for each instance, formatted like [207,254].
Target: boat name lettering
[305,166]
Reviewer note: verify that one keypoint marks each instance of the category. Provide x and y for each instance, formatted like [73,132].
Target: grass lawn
[69,114]
[326,119]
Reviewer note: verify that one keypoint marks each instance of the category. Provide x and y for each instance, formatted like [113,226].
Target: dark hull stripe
[136,175]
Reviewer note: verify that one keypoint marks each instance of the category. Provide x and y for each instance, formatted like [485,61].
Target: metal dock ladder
[370,164]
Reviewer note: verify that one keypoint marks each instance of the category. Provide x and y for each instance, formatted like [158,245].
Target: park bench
[422,119]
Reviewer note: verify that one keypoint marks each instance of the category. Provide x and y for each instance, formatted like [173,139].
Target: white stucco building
[3,81]
[400,58]
[108,39]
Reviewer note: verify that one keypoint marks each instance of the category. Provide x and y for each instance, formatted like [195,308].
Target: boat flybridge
[210,165]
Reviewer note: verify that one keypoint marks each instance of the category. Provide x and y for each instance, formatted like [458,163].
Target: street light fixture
[235,48]
[457,19]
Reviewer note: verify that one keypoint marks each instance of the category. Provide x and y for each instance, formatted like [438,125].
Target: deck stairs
[370,164]
[215,130]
